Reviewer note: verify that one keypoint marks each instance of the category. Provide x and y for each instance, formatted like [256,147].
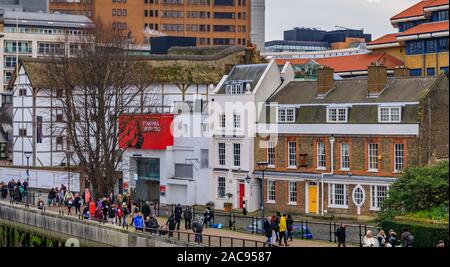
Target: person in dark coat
[77,204]
[187,218]
[178,213]
[290,226]
[171,224]
[11,186]
[198,229]
[146,209]
[105,209]
[276,227]
[268,228]
[340,234]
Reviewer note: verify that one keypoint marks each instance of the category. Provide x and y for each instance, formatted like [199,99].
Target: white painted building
[234,109]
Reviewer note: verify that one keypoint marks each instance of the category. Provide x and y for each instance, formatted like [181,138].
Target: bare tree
[97,83]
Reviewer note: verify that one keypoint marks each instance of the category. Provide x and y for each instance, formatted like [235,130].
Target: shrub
[426,235]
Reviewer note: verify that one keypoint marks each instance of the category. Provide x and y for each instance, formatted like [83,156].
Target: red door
[241,195]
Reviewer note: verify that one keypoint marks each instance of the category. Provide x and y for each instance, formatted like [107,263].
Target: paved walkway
[218,237]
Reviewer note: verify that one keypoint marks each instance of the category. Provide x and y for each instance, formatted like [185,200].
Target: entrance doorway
[241,195]
[147,186]
[312,195]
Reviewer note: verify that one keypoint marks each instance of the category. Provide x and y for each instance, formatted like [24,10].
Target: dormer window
[335,114]
[235,89]
[286,115]
[389,114]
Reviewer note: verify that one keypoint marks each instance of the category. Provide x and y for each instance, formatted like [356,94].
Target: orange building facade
[211,22]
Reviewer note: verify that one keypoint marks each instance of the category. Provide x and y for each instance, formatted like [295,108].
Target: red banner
[148,132]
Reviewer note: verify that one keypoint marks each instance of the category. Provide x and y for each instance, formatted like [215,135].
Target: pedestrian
[125,213]
[441,244]
[154,225]
[86,214]
[69,202]
[11,186]
[392,240]
[77,204]
[187,218]
[268,229]
[105,208]
[86,196]
[208,216]
[111,198]
[138,222]
[407,238]
[146,209]
[92,209]
[171,224]
[369,240]
[119,214]
[40,204]
[341,235]
[50,197]
[152,210]
[178,213]
[283,228]
[61,195]
[290,226]
[381,238]
[112,213]
[197,228]
[276,227]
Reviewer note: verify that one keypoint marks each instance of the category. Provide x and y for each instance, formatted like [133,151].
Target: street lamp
[262,167]
[69,155]
[28,156]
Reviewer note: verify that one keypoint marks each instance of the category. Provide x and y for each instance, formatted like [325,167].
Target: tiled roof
[437,3]
[426,28]
[246,74]
[388,38]
[350,63]
[414,11]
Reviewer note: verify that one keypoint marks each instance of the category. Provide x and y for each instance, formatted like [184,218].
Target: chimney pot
[377,79]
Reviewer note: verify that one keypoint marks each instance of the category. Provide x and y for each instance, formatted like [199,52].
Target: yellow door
[312,199]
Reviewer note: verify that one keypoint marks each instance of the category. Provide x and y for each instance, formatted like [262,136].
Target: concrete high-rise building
[211,22]
[25,5]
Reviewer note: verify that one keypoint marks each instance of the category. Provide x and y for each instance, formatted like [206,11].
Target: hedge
[426,235]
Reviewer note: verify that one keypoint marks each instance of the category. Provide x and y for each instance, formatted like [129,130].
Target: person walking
[268,229]
[178,213]
[105,208]
[276,227]
[11,186]
[61,195]
[369,240]
[198,229]
[77,204]
[112,213]
[290,226]
[51,196]
[146,209]
[407,239]
[392,239]
[138,222]
[208,215]
[86,196]
[283,228]
[171,223]
[381,238]
[68,200]
[341,235]
[92,209]
[125,213]
[187,218]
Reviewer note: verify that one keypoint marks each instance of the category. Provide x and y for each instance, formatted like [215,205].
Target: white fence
[42,179]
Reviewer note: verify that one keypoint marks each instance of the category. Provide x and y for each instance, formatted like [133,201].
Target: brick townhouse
[335,147]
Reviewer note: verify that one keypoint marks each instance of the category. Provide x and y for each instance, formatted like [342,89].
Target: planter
[227,207]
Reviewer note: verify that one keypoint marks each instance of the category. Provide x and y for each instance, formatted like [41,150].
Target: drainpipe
[332,139]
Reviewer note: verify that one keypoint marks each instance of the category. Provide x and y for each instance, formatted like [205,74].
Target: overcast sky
[372,15]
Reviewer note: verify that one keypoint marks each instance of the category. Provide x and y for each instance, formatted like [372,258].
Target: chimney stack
[400,72]
[325,80]
[377,80]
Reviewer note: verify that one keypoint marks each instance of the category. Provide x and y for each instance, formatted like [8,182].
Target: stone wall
[85,231]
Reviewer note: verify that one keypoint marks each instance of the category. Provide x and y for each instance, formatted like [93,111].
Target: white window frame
[271,151]
[345,157]
[222,121]
[319,155]
[283,117]
[370,156]
[271,191]
[236,121]
[375,204]
[219,185]
[389,115]
[292,191]
[337,118]
[363,200]
[332,196]
[219,154]
[237,155]
[399,159]
[235,89]
[292,151]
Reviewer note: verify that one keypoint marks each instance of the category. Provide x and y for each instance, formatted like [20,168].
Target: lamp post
[262,167]
[28,155]
[69,155]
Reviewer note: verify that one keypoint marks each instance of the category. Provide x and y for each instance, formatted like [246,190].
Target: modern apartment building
[423,38]
[212,22]
[25,5]
[33,34]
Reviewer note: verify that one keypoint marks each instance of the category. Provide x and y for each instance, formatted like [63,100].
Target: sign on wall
[148,132]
